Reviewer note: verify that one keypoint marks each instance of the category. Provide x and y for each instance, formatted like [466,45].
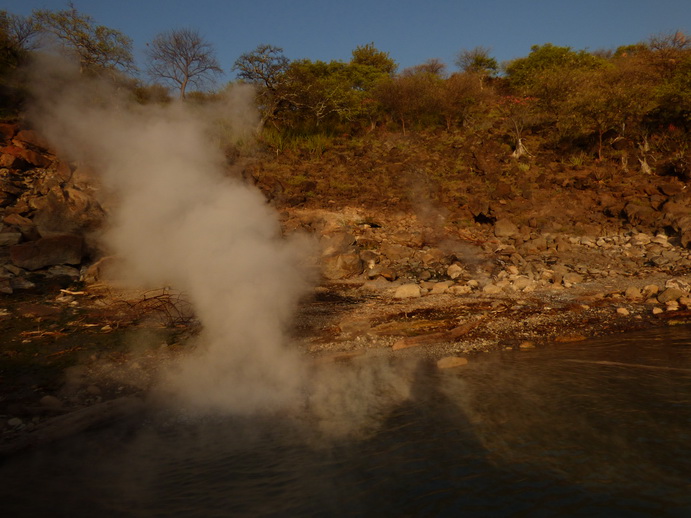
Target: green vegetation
[623,106]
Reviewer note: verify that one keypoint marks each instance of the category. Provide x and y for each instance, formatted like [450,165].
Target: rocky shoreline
[509,286]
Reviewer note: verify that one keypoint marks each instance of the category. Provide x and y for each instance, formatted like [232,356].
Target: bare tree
[263,66]
[183,58]
[21,31]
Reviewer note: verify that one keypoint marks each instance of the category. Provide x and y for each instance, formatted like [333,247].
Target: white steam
[179,221]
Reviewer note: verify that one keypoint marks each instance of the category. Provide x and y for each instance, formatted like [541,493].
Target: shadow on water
[545,433]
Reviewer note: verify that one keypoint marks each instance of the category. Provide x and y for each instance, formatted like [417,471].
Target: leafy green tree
[550,74]
[309,96]
[97,48]
[369,56]
[182,58]
[317,95]
[528,71]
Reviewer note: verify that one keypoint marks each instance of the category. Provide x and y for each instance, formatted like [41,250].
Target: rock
[20,283]
[455,271]
[389,274]
[633,293]
[460,289]
[623,312]
[679,284]
[492,289]
[526,345]
[396,253]
[407,291]
[433,257]
[657,311]
[336,243]
[669,295]
[523,284]
[342,265]
[650,290]
[685,301]
[31,138]
[505,228]
[15,422]
[672,305]
[572,278]
[369,258]
[48,251]
[449,362]
[10,238]
[62,270]
[641,239]
[441,287]
[6,286]
[570,338]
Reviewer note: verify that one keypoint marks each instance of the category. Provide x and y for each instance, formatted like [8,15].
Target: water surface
[597,428]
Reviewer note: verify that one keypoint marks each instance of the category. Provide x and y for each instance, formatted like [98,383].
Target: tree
[463,99]
[368,55]
[183,58]
[477,61]
[98,48]
[528,71]
[263,66]
[415,95]
[19,31]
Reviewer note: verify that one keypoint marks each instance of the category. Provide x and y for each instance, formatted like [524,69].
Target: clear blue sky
[411,31]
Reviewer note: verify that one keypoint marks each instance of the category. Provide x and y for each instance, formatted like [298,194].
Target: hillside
[427,244]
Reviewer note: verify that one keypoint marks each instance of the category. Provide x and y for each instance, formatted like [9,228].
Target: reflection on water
[599,428]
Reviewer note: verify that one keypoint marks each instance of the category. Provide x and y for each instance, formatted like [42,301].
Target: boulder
[633,293]
[337,242]
[455,271]
[342,265]
[670,295]
[407,291]
[48,251]
[505,228]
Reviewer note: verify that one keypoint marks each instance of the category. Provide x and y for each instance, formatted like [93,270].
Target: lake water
[596,428]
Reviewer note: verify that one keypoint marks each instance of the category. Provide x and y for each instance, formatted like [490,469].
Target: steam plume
[179,221]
